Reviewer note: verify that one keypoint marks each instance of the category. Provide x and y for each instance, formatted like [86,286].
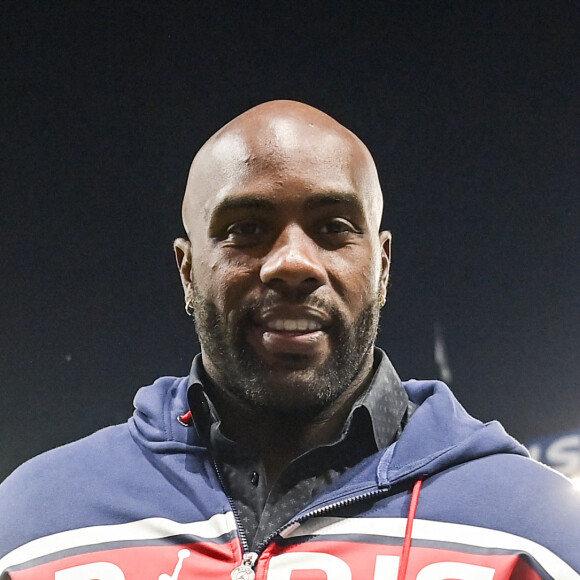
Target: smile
[289,330]
[292,325]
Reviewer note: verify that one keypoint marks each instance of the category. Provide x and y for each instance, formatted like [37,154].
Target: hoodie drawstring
[409,530]
[186,419]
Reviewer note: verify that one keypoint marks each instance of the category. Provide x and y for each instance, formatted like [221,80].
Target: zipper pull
[245,571]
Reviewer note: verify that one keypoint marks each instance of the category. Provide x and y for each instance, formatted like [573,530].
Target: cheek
[356,278]
[225,282]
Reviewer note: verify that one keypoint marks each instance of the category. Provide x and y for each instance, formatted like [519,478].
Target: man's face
[287,268]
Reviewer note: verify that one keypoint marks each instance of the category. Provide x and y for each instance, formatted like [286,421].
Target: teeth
[291,324]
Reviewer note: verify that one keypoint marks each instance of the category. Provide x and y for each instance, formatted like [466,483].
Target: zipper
[241,531]
[321,511]
[245,571]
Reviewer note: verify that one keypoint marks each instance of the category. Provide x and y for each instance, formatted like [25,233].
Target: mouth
[293,325]
[299,332]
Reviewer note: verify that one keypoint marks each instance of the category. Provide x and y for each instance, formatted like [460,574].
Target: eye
[244,233]
[337,226]
[245,228]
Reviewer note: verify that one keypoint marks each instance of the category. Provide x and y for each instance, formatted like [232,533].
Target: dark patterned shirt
[375,421]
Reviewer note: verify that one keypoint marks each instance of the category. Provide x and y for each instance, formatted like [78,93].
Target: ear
[385,239]
[182,248]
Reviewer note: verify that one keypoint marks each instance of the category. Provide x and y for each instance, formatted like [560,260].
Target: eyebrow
[240,203]
[337,198]
[260,202]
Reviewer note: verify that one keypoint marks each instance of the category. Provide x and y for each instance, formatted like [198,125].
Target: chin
[289,364]
[297,392]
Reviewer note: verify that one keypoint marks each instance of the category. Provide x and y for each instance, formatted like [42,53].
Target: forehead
[281,162]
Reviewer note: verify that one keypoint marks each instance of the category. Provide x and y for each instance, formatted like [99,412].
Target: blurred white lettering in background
[561,452]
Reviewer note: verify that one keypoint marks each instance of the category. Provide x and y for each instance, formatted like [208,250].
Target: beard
[297,387]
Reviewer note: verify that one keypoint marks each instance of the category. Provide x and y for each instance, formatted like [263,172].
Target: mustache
[258,306]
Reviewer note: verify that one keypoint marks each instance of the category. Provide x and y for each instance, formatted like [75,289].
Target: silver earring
[189,307]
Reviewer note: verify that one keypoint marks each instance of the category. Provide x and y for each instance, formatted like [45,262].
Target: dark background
[471,112]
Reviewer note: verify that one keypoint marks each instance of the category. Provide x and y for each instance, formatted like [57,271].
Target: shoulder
[56,466]
[113,476]
[47,492]
[513,500]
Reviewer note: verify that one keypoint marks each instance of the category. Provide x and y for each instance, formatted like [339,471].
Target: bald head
[279,137]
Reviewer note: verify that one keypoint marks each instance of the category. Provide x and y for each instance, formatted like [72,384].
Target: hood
[440,434]
[155,423]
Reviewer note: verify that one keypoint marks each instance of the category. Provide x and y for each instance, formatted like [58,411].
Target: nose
[293,262]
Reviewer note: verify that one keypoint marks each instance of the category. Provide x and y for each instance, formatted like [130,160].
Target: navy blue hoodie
[452,499]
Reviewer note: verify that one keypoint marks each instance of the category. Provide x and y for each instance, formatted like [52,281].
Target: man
[292,451]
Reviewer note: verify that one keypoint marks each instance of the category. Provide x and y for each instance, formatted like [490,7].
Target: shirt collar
[385,401]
